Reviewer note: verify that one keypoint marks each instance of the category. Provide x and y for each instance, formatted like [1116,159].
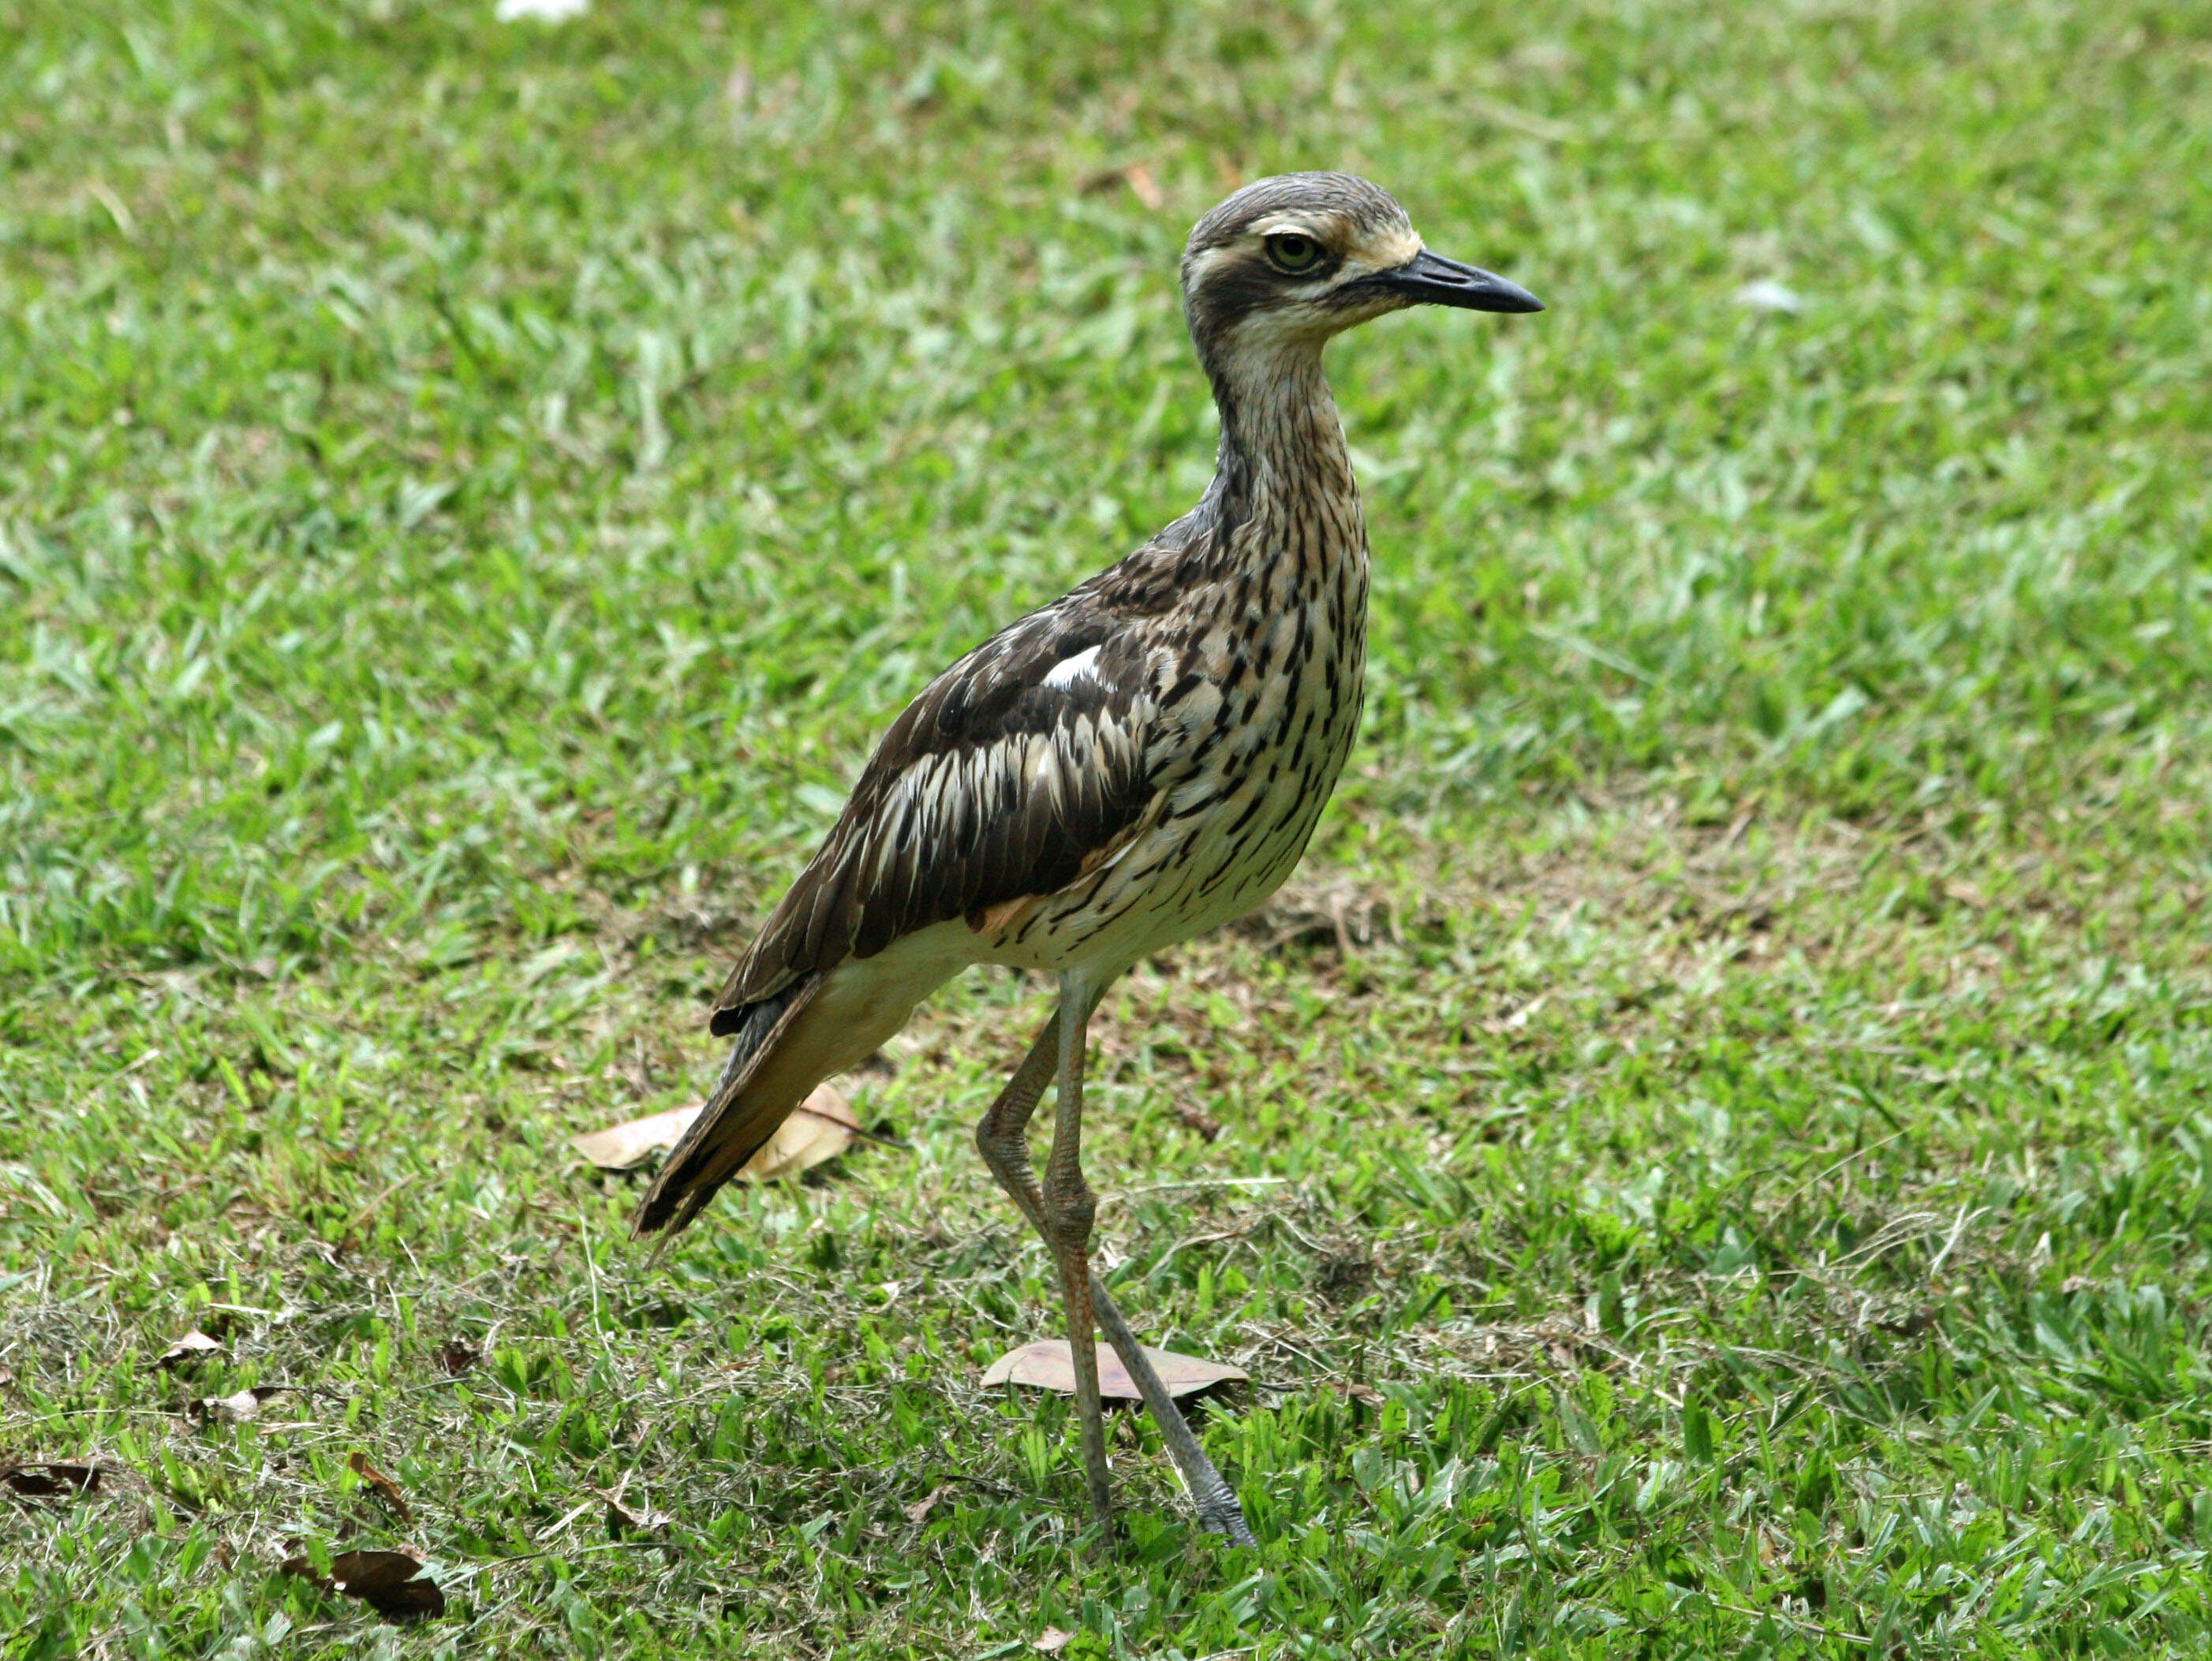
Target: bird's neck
[1282,444]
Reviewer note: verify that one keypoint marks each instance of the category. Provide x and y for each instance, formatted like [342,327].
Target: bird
[1136,762]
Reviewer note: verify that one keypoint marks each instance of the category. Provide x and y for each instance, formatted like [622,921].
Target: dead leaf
[624,1518]
[624,1146]
[51,1481]
[457,1358]
[1196,1118]
[1052,1640]
[235,1410]
[385,1489]
[1136,175]
[820,1128]
[1364,1393]
[1048,1364]
[918,1511]
[194,1346]
[823,1128]
[390,1582]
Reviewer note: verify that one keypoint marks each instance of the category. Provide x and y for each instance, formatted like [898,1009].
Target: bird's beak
[1430,279]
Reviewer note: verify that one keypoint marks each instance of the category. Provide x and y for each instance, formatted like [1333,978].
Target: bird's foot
[1227,1519]
[1106,1536]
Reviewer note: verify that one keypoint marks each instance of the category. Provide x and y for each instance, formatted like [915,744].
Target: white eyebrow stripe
[1387,252]
[1322,226]
[1068,670]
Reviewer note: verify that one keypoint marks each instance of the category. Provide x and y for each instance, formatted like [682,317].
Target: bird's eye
[1291,252]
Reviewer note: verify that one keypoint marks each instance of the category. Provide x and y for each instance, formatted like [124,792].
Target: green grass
[1718,1147]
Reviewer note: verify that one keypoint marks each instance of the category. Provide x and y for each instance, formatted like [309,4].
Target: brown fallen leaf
[1136,175]
[625,1518]
[194,1346]
[1965,893]
[234,1410]
[457,1358]
[385,1488]
[51,1481]
[390,1582]
[820,1128]
[1195,1117]
[1365,1393]
[1048,1364]
[1051,1641]
[624,1146]
[823,1128]
[919,1510]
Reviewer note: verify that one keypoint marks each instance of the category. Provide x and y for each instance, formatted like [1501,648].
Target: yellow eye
[1290,252]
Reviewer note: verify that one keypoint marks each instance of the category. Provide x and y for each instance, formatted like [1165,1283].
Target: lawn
[1710,1156]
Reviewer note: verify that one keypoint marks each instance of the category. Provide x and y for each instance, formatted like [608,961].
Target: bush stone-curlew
[1123,769]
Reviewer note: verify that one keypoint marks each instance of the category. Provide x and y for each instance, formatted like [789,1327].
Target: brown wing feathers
[962,807]
[1012,775]
[724,1136]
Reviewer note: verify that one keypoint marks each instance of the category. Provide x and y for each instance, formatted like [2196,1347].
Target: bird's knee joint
[1072,1212]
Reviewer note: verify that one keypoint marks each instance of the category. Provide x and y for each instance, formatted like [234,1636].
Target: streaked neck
[1281,439]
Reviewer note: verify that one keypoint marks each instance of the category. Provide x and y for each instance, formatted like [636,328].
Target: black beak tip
[1430,279]
[1486,291]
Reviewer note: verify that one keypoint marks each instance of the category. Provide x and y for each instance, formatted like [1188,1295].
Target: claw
[1228,1520]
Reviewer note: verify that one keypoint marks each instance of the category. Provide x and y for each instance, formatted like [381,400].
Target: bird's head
[1301,257]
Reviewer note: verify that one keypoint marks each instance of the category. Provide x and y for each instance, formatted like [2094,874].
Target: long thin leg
[1002,1139]
[1069,1209]
[1002,1135]
[1218,1511]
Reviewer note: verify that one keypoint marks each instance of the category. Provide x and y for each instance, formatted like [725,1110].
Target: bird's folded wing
[1015,774]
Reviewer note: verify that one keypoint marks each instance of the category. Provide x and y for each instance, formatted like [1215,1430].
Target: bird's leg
[1218,1512]
[1069,1208]
[1002,1137]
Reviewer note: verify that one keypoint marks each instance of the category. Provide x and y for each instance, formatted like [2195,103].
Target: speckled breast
[1257,739]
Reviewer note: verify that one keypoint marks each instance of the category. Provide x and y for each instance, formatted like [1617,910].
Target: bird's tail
[753,1097]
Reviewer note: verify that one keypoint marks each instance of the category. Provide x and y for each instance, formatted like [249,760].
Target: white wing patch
[1068,670]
